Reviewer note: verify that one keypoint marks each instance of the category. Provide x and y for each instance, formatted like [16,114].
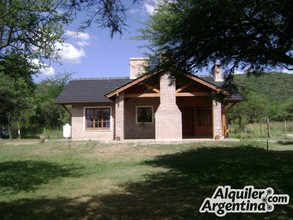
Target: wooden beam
[203,82]
[151,87]
[224,122]
[227,108]
[142,95]
[192,94]
[130,84]
[67,110]
[183,87]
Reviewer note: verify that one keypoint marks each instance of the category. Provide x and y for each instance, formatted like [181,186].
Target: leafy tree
[252,34]
[253,109]
[47,113]
[30,29]
[286,111]
[16,101]
[265,95]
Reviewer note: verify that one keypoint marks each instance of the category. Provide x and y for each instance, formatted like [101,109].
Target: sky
[94,54]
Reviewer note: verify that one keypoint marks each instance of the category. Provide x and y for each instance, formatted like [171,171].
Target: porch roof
[207,81]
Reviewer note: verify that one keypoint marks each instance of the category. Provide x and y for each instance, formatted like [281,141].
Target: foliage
[16,101]
[29,30]
[29,106]
[265,95]
[47,114]
[105,13]
[260,130]
[243,33]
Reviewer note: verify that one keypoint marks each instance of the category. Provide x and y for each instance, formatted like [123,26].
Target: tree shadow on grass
[16,176]
[194,175]
[178,192]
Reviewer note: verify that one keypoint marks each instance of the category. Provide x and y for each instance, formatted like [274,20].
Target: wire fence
[264,129]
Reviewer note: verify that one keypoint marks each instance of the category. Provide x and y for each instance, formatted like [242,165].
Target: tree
[47,113]
[253,34]
[16,101]
[253,109]
[30,29]
[286,111]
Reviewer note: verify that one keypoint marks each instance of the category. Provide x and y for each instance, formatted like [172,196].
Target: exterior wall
[119,117]
[78,125]
[133,130]
[217,119]
[168,116]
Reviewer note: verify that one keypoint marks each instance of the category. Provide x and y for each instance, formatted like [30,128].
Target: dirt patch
[19,142]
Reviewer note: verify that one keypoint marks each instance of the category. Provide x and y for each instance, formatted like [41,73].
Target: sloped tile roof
[234,98]
[211,80]
[89,90]
[94,90]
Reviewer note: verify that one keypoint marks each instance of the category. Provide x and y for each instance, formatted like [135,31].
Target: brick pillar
[217,119]
[168,116]
[119,117]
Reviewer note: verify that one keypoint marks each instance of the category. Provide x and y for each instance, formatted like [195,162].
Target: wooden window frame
[94,128]
[137,114]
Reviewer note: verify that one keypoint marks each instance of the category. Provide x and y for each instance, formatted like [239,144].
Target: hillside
[277,88]
[265,95]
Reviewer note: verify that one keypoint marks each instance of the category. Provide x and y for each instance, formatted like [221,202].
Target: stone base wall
[168,123]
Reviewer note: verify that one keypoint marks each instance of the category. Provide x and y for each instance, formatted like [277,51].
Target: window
[204,117]
[97,118]
[144,114]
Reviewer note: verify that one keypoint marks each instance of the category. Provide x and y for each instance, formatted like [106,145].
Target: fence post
[285,129]
[269,135]
[260,129]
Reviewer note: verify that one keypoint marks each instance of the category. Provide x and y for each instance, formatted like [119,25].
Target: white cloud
[150,9]
[150,6]
[48,71]
[43,68]
[68,53]
[81,37]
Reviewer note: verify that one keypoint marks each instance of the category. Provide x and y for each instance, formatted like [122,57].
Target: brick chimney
[138,67]
[217,72]
[168,116]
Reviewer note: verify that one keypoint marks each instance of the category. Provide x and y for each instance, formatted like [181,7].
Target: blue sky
[94,53]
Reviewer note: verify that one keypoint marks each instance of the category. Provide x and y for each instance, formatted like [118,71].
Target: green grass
[260,131]
[90,180]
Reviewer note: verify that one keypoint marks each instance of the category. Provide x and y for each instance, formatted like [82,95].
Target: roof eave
[215,88]
[111,94]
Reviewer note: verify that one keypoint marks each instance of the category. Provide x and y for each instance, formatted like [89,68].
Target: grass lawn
[90,180]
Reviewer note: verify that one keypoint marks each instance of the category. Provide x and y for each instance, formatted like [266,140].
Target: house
[163,105]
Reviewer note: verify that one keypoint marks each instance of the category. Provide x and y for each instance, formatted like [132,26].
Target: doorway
[197,122]
[187,122]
